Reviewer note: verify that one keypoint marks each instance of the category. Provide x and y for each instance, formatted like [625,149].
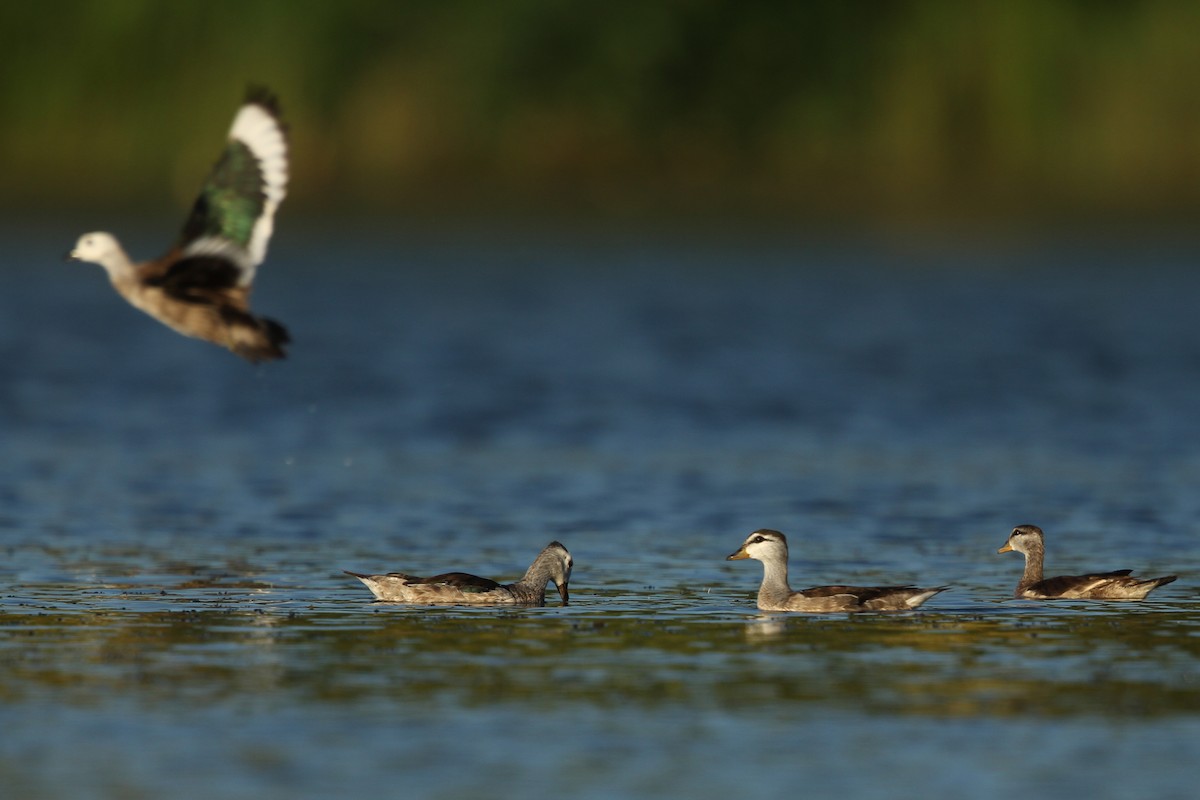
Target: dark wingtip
[260,95]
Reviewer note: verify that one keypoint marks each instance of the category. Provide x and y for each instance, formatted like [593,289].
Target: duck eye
[757,539]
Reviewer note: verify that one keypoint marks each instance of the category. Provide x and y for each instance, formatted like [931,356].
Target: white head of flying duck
[770,547]
[552,565]
[1029,541]
[201,286]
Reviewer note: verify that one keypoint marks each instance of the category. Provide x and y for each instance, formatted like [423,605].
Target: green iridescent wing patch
[231,201]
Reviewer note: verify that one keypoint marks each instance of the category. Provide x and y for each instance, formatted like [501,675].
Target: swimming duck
[554,563]
[1116,585]
[770,547]
[201,286]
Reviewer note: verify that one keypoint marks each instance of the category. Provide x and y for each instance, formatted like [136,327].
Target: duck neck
[123,275]
[1034,558]
[775,588]
[532,585]
[116,263]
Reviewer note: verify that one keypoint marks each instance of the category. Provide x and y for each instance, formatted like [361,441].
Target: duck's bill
[1006,549]
[562,592]
[70,255]
[737,556]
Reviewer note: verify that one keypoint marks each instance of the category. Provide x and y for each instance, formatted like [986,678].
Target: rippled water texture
[173,522]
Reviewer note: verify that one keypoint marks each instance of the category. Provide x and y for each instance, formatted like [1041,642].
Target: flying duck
[770,547]
[1116,585]
[201,286]
[554,563]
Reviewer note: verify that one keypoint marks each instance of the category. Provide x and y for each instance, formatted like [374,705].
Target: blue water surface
[174,522]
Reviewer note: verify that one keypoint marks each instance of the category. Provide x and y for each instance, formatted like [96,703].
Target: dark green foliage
[897,108]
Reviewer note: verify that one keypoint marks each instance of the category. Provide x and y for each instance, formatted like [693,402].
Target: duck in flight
[201,286]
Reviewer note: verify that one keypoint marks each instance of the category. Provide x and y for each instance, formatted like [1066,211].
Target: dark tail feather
[266,343]
[278,334]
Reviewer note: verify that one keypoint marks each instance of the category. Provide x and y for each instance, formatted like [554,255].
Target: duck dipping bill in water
[770,547]
[1117,585]
[553,564]
[201,286]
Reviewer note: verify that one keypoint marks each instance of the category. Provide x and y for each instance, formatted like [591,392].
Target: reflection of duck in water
[770,547]
[201,287]
[1116,585]
[554,563]
[765,626]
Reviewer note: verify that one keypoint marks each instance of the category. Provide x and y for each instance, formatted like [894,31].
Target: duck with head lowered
[770,547]
[1117,585]
[553,564]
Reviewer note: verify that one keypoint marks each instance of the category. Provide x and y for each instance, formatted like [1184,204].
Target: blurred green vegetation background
[901,111]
